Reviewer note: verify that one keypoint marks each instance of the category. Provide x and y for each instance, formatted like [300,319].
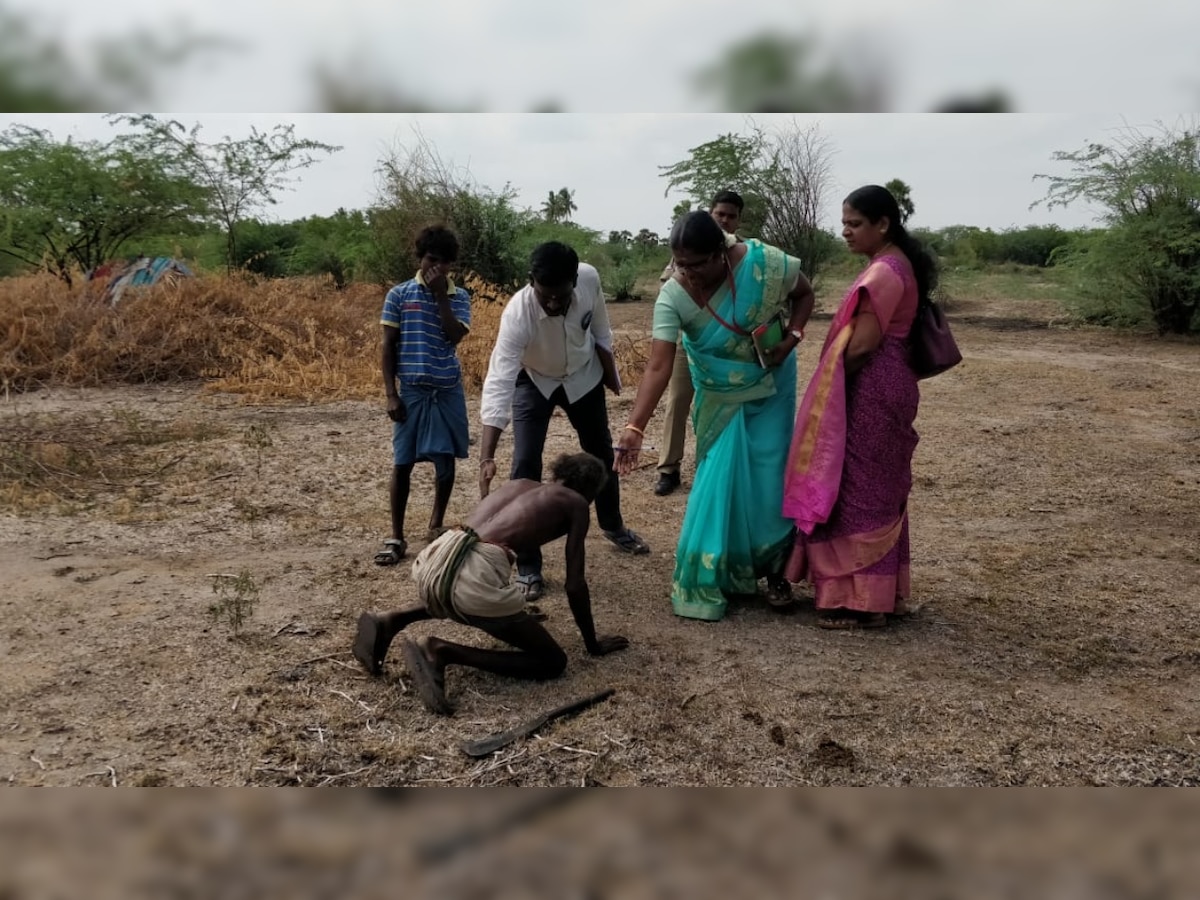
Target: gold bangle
[635,428]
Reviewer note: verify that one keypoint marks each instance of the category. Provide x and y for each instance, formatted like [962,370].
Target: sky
[963,169]
[639,56]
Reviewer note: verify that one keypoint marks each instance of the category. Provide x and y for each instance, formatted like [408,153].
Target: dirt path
[1054,521]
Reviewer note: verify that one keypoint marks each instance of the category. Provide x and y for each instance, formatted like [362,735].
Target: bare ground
[1056,548]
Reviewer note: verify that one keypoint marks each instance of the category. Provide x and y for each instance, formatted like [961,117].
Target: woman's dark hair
[729,197]
[438,240]
[581,472]
[875,202]
[699,232]
[553,263]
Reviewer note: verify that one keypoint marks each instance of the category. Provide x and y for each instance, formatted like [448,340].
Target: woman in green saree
[733,531]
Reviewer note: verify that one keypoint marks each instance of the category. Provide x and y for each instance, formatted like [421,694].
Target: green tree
[681,209]
[566,203]
[337,245]
[558,205]
[77,204]
[737,162]
[418,188]
[40,73]
[771,74]
[1148,186]
[903,194]
[240,176]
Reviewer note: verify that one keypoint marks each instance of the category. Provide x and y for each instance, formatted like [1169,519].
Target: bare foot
[371,643]
[428,678]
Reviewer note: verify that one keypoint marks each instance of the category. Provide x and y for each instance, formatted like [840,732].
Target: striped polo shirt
[423,355]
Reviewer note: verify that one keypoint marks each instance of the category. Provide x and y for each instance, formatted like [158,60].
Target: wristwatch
[797,333]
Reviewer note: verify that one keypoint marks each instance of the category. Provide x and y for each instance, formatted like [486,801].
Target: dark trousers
[589,417]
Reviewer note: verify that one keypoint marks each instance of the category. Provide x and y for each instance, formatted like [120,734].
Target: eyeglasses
[696,266]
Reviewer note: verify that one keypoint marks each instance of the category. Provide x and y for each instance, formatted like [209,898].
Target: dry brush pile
[269,341]
[296,339]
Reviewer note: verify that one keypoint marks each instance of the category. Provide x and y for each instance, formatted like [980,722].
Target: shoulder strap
[736,329]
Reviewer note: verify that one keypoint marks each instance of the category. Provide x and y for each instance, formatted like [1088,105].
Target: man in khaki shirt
[727,210]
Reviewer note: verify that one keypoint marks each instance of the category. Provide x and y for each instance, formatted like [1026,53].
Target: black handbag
[932,348]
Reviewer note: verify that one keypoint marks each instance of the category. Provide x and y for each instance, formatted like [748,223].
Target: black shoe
[667,482]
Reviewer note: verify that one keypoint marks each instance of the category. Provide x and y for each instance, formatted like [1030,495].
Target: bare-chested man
[466,575]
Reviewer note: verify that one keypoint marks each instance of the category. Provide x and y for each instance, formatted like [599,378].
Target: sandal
[394,550]
[779,595]
[531,586]
[851,620]
[628,541]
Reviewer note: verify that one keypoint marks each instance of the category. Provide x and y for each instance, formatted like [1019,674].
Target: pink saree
[849,469]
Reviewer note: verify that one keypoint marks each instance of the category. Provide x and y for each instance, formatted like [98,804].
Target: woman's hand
[777,354]
[627,450]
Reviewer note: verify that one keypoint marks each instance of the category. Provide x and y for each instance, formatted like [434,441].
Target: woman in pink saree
[849,467]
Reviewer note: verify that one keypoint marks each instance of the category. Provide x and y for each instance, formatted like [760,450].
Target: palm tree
[558,205]
[551,208]
[566,203]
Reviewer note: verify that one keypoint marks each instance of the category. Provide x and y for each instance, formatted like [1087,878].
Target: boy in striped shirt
[423,320]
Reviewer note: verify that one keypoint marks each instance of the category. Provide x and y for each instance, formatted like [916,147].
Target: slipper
[627,541]
[852,622]
[424,679]
[393,551]
[532,586]
[434,533]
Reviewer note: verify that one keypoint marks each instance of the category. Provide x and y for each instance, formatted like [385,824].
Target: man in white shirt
[554,349]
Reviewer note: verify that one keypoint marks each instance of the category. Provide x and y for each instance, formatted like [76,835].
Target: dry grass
[1055,508]
[267,340]
[65,461]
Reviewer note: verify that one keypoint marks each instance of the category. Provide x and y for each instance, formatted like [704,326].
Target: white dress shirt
[556,351]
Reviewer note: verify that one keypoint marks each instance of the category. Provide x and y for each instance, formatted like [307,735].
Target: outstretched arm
[650,391]
[578,595]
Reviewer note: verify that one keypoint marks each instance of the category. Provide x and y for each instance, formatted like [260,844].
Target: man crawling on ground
[466,575]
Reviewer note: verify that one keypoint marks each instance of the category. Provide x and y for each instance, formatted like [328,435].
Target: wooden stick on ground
[492,743]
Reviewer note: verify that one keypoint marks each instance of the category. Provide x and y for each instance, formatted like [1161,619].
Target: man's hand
[487,471]
[436,281]
[396,410]
[608,644]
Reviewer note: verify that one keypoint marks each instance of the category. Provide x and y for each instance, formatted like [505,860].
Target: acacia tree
[1147,261]
[240,176]
[783,176]
[798,178]
[72,204]
[736,162]
[418,187]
